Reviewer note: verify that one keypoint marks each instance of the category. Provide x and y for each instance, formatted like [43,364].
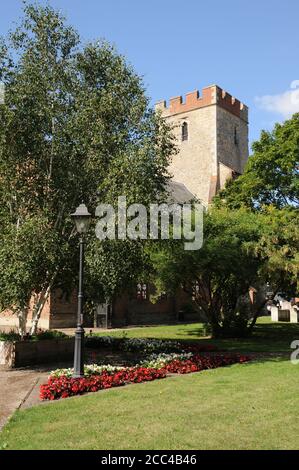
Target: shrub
[39,336]
[144,345]
[9,336]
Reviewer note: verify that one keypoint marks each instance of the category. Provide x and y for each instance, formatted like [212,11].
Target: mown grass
[267,336]
[244,406]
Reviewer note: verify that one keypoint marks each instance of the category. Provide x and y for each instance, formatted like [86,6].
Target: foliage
[48,334]
[278,247]
[9,336]
[267,336]
[39,336]
[241,249]
[218,274]
[114,266]
[271,176]
[270,188]
[29,253]
[143,345]
[75,125]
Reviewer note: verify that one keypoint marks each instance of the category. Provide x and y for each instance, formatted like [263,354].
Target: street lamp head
[82,219]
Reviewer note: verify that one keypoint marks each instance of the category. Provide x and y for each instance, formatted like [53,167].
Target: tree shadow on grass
[266,337]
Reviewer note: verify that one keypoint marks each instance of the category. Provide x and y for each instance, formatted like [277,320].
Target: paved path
[15,385]
[16,388]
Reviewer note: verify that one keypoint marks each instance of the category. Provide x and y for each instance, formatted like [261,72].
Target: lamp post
[82,220]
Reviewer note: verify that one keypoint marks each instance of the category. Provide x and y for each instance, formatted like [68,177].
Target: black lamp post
[82,220]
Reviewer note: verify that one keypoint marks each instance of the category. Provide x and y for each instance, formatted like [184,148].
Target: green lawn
[248,406]
[267,337]
[244,406]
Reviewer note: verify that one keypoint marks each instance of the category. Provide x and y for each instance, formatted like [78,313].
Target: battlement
[210,95]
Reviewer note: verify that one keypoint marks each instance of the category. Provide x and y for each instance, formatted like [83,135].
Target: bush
[9,336]
[39,336]
[143,345]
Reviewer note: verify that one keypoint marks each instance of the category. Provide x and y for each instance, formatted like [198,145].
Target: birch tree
[70,112]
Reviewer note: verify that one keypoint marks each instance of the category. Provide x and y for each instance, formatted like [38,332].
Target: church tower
[212,137]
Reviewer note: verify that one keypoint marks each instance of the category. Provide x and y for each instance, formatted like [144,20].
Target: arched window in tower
[184,131]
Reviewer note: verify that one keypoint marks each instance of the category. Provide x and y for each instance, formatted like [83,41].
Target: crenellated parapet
[210,95]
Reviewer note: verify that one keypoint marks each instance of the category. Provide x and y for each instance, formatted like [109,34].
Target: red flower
[63,387]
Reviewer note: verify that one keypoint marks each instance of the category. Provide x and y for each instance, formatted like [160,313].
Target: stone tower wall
[217,145]
[197,155]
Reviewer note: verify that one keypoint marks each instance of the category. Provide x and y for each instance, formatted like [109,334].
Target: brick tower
[212,137]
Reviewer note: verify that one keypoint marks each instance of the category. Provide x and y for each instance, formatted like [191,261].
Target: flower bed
[158,361]
[90,369]
[197,363]
[61,385]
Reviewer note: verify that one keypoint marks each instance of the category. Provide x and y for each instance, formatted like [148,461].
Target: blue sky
[249,48]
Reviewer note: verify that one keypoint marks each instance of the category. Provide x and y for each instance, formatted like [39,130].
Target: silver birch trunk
[38,308]
[22,317]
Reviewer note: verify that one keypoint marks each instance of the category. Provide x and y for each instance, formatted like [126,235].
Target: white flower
[156,361]
[89,369]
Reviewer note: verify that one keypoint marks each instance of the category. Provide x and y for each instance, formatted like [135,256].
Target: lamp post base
[79,353]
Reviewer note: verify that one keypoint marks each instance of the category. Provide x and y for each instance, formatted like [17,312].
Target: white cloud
[286,103]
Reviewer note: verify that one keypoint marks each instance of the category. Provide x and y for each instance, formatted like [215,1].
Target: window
[141,293]
[184,131]
[236,140]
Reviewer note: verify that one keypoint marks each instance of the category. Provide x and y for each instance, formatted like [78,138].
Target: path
[15,387]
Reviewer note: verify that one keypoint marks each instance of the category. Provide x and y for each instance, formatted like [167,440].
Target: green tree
[218,274]
[271,176]
[241,249]
[75,122]
[270,187]
[277,247]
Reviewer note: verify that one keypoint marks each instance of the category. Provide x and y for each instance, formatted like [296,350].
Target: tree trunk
[22,317]
[258,309]
[38,308]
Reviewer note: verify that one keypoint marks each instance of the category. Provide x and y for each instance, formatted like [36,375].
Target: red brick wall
[210,95]
[63,309]
[130,311]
